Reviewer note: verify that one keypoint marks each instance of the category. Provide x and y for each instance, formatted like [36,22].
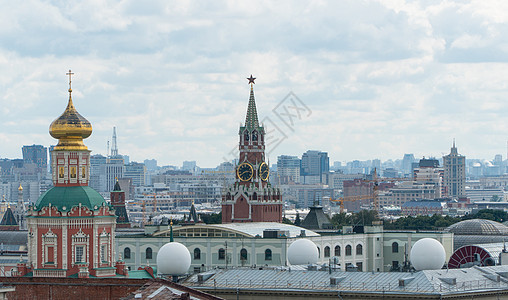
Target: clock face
[245,171]
[264,171]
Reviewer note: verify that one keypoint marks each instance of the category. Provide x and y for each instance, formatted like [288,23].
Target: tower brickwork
[251,198]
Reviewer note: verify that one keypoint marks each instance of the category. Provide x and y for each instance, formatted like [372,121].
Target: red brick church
[252,198]
[70,227]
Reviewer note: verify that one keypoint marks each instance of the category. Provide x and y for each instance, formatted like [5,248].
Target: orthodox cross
[70,79]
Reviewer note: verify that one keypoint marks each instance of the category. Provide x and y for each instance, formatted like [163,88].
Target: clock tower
[252,198]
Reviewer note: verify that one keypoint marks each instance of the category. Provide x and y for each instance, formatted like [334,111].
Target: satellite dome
[302,252]
[173,259]
[427,254]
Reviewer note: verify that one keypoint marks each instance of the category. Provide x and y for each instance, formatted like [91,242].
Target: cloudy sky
[368,79]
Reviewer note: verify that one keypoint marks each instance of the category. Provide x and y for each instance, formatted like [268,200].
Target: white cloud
[382,78]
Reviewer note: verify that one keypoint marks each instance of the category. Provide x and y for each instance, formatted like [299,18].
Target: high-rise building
[454,166]
[137,172]
[71,228]
[315,163]
[407,161]
[36,154]
[288,169]
[252,198]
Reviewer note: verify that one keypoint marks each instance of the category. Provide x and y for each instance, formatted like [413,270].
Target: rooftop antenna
[107,148]
[114,148]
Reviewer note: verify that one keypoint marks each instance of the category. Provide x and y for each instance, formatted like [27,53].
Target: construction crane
[375,191]
[341,200]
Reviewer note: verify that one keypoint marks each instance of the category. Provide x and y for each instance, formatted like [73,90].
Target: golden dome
[70,129]
[20,188]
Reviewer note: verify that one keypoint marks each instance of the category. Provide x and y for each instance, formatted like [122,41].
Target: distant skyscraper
[151,164]
[36,154]
[288,168]
[406,164]
[189,165]
[315,163]
[137,172]
[455,173]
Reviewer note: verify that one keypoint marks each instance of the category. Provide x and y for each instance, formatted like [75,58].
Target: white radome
[303,252]
[173,259]
[428,254]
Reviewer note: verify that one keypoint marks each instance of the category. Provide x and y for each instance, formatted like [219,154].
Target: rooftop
[478,227]
[440,282]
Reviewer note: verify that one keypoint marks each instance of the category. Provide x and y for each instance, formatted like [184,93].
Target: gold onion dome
[70,128]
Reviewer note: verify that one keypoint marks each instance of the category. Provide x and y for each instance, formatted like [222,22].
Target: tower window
[83,172]
[79,253]
[104,255]
[73,172]
[61,172]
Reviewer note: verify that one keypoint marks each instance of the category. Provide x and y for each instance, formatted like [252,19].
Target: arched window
[359,249]
[254,136]
[348,250]
[395,247]
[246,136]
[337,250]
[243,254]
[148,253]
[222,254]
[319,252]
[268,254]
[197,253]
[127,253]
[327,251]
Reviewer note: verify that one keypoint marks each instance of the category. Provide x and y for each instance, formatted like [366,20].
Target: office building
[454,166]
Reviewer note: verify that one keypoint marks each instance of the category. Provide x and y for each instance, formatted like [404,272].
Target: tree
[211,218]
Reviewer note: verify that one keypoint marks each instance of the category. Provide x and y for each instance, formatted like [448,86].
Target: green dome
[66,197]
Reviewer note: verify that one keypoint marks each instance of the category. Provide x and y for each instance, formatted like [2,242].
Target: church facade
[252,198]
[70,227]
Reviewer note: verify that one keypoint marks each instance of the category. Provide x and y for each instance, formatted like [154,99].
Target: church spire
[251,120]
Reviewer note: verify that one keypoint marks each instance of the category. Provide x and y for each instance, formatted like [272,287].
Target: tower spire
[251,120]
[114,147]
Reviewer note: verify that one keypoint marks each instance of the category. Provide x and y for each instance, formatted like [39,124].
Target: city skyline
[378,79]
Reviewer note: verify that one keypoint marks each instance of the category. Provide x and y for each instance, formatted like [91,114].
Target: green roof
[66,197]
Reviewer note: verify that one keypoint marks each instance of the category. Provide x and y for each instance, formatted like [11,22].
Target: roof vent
[204,276]
[449,280]
[336,280]
[405,281]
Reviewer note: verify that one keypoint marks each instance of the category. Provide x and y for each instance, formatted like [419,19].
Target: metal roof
[425,282]
[478,227]
[257,228]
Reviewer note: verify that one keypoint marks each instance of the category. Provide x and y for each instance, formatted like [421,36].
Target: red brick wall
[70,288]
